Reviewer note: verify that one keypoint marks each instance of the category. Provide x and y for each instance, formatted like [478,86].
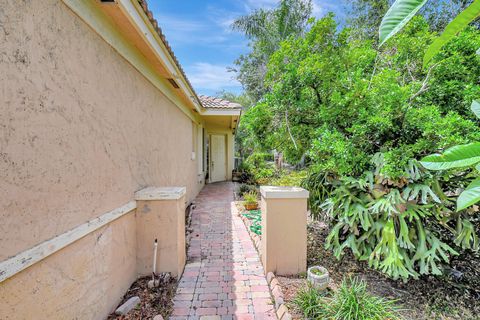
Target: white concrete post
[284,229]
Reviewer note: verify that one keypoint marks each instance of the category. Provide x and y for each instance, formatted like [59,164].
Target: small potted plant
[250,200]
[318,277]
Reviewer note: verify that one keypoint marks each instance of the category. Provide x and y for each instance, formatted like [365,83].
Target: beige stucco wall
[163,220]
[82,281]
[80,131]
[284,235]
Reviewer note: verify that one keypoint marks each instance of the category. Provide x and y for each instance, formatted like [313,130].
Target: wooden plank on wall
[25,259]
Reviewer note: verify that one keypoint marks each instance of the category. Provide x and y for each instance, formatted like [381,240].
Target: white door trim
[210,175]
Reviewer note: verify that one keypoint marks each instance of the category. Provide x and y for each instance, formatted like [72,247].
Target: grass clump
[350,302]
[250,197]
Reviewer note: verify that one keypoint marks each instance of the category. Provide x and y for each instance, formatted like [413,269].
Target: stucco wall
[83,281]
[80,131]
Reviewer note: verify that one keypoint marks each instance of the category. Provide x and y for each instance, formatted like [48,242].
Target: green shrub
[350,302]
[245,188]
[292,179]
[263,176]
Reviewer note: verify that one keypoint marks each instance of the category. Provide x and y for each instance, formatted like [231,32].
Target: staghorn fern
[393,231]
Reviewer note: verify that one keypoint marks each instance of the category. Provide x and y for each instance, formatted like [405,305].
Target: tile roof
[205,101]
[153,21]
[217,103]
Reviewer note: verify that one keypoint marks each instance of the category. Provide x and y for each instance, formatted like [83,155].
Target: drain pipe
[153,283]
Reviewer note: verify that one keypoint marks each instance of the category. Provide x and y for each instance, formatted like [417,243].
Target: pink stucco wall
[80,131]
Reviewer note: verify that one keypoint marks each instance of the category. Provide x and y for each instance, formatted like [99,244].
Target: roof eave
[220,112]
[152,36]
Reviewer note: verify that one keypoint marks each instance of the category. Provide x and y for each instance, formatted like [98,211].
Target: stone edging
[276,292]
[255,237]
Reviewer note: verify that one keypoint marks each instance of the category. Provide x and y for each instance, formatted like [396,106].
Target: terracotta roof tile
[217,103]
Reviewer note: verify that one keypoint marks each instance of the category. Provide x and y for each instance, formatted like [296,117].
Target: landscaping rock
[158,317]
[277,292]
[270,277]
[274,283]
[278,302]
[281,311]
[127,306]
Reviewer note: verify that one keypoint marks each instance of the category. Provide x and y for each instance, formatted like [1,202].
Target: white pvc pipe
[154,259]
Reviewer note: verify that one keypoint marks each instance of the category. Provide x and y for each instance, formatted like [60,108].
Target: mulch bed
[425,298]
[158,300]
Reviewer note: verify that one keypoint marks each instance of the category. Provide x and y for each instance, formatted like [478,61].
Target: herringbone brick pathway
[224,277]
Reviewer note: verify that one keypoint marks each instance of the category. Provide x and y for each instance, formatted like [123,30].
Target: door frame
[210,148]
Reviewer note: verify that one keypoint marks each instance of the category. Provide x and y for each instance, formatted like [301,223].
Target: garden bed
[155,301]
[426,298]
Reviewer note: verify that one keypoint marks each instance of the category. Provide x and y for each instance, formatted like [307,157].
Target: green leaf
[476,108]
[470,196]
[397,16]
[457,25]
[455,157]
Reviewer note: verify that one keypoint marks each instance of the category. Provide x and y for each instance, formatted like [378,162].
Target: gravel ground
[152,301]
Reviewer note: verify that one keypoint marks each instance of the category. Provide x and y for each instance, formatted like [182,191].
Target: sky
[200,35]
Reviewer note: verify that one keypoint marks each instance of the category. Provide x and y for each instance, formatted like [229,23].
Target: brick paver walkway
[223,278]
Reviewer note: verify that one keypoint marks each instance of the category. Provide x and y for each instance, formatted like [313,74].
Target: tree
[266,29]
[365,16]
[458,156]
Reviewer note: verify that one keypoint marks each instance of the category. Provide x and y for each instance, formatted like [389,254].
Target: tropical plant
[403,10]
[320,185]
[351,301]
[401,227]
[461,156]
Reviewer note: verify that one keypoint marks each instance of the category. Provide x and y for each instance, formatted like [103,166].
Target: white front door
[218,162]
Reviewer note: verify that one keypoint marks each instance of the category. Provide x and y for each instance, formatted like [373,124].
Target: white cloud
[256,4]
[209,76]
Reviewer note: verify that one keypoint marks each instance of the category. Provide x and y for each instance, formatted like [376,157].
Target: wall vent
[111,1]
[173,83]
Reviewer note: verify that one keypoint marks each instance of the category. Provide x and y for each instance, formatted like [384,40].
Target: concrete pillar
[284,229]
[160,215]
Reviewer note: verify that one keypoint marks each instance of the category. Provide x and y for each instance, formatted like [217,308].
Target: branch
[319,99]
[424,86]
[374,70]
[288,129]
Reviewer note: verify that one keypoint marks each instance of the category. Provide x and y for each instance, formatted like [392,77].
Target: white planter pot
[319,281]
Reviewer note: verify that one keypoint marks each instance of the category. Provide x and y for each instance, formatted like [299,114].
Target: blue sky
[199,33]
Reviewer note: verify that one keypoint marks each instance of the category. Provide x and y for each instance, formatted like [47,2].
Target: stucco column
[284,229]
[160,215]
